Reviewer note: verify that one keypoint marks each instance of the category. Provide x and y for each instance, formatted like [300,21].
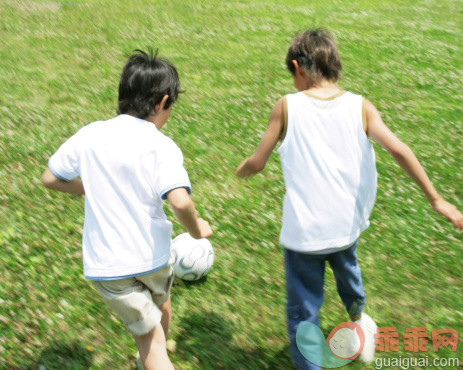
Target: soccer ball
[192,258]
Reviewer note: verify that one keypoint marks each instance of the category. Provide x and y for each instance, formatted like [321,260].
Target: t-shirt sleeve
[64,164]
[170,173]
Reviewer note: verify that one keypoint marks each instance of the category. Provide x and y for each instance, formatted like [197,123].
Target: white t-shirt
[127,166]
[329,171]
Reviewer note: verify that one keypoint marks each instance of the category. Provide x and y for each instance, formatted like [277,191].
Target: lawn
[59,68]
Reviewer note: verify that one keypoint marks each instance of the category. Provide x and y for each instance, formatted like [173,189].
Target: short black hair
[145,79]
[316,53]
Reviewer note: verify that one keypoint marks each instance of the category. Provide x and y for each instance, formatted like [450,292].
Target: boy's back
[126,166]
[329,170]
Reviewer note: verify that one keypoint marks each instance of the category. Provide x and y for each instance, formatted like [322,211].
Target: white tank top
[329,171]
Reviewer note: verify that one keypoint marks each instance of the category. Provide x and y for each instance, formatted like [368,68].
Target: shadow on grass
[191,284]
[206,339]
[65,356]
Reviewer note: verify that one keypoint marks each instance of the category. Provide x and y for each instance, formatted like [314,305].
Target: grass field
[59,68]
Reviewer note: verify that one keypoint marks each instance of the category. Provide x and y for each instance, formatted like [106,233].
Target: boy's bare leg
[152,349]
[166,316]
[148,339]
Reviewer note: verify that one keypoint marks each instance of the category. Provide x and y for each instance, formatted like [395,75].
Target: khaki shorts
[135,300]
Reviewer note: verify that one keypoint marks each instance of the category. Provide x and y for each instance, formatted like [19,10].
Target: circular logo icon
[346,340]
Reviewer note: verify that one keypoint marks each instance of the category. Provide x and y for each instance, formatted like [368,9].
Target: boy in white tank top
[329,171]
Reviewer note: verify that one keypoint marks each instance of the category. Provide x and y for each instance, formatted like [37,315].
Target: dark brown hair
[145,80]
[316,53]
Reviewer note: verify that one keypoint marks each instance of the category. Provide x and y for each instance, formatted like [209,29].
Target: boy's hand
[242,171]
[449,211]
[205,230]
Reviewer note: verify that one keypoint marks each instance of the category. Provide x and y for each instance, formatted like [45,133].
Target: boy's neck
[324,89]
[151,118]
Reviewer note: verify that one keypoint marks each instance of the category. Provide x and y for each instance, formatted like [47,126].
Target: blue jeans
[304,286]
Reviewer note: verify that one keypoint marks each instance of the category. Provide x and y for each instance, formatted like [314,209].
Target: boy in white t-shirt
[329,171]
[127,167]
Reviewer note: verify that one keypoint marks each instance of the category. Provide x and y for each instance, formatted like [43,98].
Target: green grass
[59,67]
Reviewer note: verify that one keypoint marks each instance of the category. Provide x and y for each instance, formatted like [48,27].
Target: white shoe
[369,330]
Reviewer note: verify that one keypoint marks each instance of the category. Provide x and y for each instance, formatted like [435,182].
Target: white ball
[192,258]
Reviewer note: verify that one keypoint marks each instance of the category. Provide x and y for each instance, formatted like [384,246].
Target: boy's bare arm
[258,160]
[50,181]
[185,212]
[402,154]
